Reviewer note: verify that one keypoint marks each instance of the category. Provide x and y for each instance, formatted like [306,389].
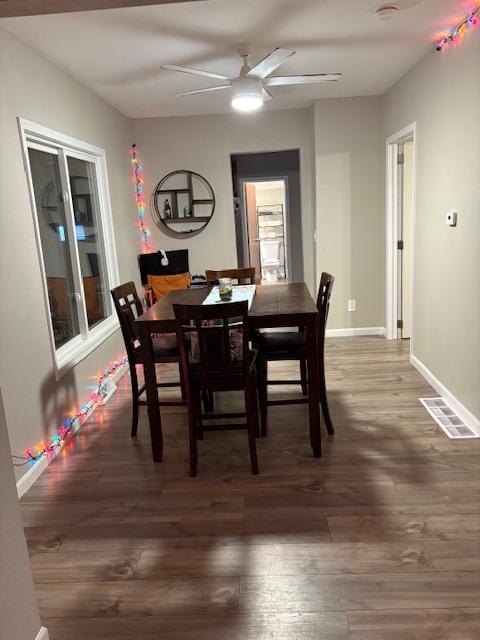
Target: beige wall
[349,157]
[267,197]
[442,95]
[34,89]
[204,144]
[19,618]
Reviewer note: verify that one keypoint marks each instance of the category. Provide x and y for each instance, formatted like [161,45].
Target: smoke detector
[386,13]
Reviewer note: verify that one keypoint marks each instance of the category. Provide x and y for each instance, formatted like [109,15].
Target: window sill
[72,354]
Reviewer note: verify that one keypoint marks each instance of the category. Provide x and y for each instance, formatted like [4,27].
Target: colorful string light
[453,37]
[34,454]
[138,180]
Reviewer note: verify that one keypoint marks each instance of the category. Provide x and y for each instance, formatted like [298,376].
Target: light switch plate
[452,218]
[352,305]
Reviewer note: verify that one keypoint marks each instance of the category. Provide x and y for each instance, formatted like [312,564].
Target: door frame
[392,227]
[243,212]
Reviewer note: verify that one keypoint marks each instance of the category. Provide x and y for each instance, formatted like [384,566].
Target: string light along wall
[99,396]
[138,180]
[454,37]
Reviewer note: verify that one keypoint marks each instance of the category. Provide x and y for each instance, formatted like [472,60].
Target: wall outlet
[352,305]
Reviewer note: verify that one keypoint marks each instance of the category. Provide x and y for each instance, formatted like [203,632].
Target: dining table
[274,306]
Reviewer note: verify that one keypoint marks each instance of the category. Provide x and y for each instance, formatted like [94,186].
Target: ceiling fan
[250,88]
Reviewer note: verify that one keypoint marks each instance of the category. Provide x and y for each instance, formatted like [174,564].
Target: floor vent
[447,419]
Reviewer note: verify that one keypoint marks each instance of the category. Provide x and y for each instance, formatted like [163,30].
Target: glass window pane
[88,225]
[55,250]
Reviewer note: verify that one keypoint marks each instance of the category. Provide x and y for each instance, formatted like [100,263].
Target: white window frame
[33,135]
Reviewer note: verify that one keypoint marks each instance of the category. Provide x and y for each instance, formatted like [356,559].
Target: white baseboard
[28,479]
[362,331]
[467,416]
[42,634]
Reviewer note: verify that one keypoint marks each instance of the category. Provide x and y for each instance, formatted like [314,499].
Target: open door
[266,221]
[252,228]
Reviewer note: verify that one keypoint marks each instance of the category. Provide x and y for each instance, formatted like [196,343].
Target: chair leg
[303,376]
[252,421]
[211,401]
[182,381]
[323,400]
[198,410]
[253,398]
[262,373]
[135,403]
[207,399]
[192,436]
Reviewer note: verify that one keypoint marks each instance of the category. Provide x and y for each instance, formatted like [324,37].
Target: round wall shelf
[183,203]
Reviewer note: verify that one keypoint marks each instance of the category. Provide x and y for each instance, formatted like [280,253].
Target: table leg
[313,388]
[154,419]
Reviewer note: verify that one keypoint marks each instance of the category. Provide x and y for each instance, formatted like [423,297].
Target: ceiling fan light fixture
[247,102]
[247,94]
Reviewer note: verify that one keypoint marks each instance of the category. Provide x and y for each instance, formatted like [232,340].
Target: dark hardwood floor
[378,540]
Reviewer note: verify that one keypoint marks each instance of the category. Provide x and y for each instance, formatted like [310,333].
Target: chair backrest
[323,301]
[128,307]
[213,342]
[150,264]
[242,276]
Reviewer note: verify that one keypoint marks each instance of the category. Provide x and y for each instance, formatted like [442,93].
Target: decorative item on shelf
[183,203]
[103,390]
[138,180]
[456,34]
[167,210]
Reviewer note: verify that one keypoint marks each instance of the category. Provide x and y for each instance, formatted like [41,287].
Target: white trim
[42,634]
[361,331]
[49,140]
[75,351]
[44,134]
[392,228]
[30,477]
[465,414]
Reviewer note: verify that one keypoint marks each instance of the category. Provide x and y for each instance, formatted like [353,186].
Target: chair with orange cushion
[162,263]
[161,285]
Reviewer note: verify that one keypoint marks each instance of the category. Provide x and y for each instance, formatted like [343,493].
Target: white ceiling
[118,52]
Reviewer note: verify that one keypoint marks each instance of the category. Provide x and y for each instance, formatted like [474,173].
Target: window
[72,217]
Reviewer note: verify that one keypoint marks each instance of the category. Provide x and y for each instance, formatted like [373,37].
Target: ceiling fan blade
[270,63]
[309,78]
[267,96]
[198,91]
[195,72]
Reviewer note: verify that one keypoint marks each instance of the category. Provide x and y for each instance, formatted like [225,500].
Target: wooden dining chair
[290,345]
[165,347]
[214,347]
[242,276]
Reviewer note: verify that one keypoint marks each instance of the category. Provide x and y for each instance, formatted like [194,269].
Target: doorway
[400,232]
[268,220]
[264,209]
